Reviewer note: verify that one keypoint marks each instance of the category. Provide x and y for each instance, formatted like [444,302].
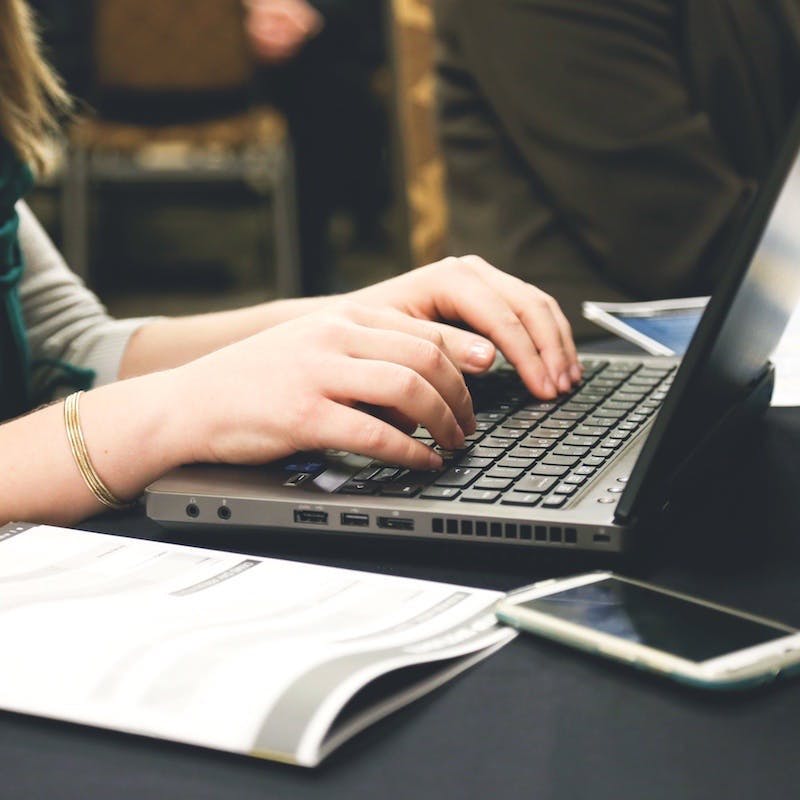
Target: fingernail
[458,438]
[480,354]
[549,387]
[575,371]
[564,382]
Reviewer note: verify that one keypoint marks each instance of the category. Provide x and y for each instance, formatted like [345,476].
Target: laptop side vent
[509,530]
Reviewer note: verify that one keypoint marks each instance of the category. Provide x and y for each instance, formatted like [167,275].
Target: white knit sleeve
[65,321]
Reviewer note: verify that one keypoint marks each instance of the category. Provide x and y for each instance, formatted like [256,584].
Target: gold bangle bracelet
[77,444]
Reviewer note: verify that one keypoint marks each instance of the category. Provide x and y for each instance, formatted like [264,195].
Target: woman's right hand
[351,378]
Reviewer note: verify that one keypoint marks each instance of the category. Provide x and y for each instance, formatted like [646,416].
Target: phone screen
[673,329]
[689,630]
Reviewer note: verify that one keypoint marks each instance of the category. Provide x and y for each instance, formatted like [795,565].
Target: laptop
[581,473]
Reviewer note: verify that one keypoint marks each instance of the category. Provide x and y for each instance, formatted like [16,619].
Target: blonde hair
[31,95]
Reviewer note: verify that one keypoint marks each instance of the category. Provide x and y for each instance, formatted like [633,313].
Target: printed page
[217,649]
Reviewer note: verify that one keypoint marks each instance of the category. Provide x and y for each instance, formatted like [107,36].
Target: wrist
[136,431]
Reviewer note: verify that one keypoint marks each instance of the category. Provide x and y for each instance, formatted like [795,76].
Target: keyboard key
[481,451]
[598,422]
[577,405]
[498,484]
[516,463]
[521,499]
[518,451]
[580,441]
[496,443]
[570,416]
[565,488]
[504,472]
[440,493]
[400,489]
[527,415]
[549,469]
[475,461]
[457,476]
[565,449]
[617,435]
[559,424]
[554,501]
[601,452]
[575,480]
[592,461]
[619,405]
[508,433]
[387,474]
[586,469]
[490,416]
[538,484]
[536,442]
[536,406]
[561,461]
[359,487]
[479,496]
[547,433]
[606,413]
[367,473]
[519,424]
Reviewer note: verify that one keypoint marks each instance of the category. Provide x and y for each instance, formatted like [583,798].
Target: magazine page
[251,655]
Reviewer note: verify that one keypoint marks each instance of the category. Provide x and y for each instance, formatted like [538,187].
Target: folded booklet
[270,658]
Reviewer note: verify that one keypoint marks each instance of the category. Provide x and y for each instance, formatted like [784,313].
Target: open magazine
[665,328]
[259,656]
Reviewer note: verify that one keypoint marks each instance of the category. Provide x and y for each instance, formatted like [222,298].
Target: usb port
[602,538]
[311,517]
[396,523]
[360,520]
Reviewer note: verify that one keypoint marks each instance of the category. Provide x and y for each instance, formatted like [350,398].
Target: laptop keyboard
[527,452]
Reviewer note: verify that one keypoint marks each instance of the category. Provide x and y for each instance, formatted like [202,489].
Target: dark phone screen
[680,627]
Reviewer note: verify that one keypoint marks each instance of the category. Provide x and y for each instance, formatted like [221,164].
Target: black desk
[532,721]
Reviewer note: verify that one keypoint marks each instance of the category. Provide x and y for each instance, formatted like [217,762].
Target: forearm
[132,435]
[168,343]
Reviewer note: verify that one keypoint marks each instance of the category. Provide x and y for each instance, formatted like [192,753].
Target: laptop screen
[739,330]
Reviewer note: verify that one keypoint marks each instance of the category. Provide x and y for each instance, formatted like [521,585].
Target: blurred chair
[421,167]
[173,86]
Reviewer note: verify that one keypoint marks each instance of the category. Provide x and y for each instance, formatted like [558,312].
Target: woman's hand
[525,323]
[350,378]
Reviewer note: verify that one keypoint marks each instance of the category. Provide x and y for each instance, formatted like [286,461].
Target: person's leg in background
[338,132]
[576,154]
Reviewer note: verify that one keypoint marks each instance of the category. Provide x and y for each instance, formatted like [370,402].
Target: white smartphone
[681,637]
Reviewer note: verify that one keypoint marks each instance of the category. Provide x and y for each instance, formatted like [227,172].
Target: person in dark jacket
[319,60]
[605,149]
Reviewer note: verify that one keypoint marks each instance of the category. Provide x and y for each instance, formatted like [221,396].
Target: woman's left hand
[526,324]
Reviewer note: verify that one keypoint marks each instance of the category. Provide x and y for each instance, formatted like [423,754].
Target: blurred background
[223,153]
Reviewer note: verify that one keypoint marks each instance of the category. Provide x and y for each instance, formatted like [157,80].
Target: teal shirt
[15,180]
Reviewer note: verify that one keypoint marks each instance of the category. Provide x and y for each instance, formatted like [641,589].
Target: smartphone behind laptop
[585,472]
[671,634]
